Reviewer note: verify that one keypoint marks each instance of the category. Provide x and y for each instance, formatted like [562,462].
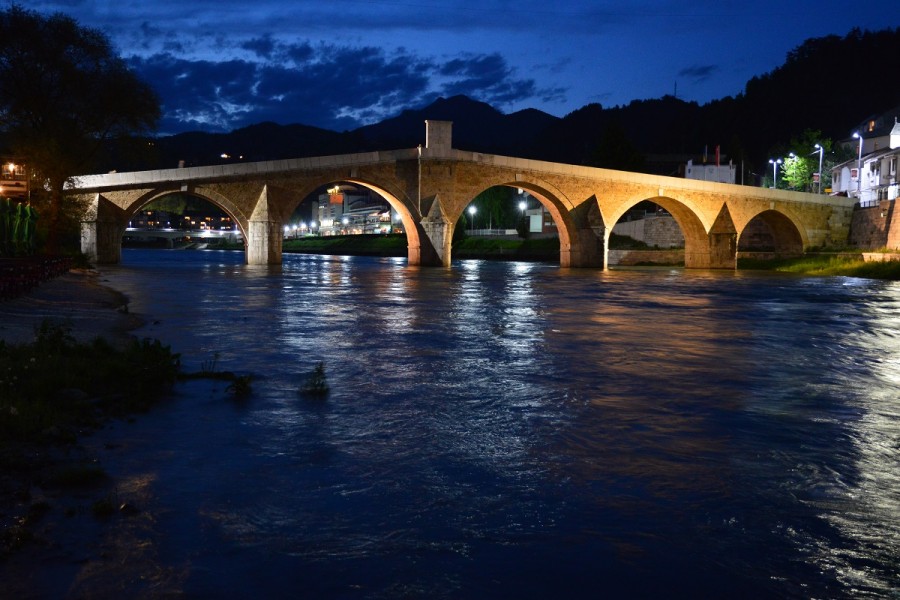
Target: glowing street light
[522,206]
[859,165]
[775,162]
[821,151]
[472,211]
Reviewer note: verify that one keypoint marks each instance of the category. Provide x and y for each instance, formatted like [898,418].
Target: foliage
[316,384]
[179,204]
[797,170]
[496,208]
[378,244]
[543,248]
[523,227]
[615,151]
[831,265]
[63,94]
[55,384]
[459,232]
[240,386]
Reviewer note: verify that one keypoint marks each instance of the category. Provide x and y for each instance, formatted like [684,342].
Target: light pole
[775,162]
[859,166]
[821,151]
[472,211]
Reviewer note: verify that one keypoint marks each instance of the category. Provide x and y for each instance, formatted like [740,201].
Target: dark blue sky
[222,64]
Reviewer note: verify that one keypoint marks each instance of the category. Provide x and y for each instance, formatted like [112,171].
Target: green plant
[209,366]
[240,386]
[316,383]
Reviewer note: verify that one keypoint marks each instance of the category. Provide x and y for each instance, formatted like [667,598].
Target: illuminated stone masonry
[429,187]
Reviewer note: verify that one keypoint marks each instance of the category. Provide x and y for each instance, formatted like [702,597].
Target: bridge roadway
[430,186]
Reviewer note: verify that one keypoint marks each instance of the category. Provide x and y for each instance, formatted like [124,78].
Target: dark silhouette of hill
[829,84]
[476,126]
[265,141]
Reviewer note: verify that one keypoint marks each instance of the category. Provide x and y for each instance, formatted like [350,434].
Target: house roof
[879,125]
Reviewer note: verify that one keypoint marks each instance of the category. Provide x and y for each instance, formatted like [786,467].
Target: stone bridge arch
[398,200]
[710,237]
[580,226]
[784,234]
[408,213]
[202,192]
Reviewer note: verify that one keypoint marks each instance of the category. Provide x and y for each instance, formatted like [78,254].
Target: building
[872,175]
[13,180]
[346,210]
[717,173]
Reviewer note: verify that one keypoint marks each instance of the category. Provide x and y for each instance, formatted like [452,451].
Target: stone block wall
[875,227]
[645,257]
[659,232]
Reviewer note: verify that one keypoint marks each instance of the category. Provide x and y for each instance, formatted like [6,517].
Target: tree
[64,93]
[798,170]
[615,151]
[495,204]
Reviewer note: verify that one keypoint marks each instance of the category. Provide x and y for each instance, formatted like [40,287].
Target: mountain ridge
[798,95]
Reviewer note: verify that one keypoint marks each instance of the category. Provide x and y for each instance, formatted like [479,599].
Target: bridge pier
[435,238]
[720,252]
[101,232]
[587,248]
[265,232]
[263,245]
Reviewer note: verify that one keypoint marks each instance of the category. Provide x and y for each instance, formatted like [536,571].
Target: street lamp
[522,206]
[472,211]
[775,162]
[821,151]
[859,166]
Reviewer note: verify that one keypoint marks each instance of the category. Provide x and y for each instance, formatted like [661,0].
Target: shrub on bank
[54,386]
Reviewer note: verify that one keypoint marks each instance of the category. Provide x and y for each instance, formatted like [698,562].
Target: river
[508,430]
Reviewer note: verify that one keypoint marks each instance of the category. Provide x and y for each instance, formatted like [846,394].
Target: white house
[704,172]
[872,176]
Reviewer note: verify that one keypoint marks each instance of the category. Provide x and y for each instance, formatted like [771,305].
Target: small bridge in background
[430,186]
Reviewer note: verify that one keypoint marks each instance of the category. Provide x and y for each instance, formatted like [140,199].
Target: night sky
[221,64]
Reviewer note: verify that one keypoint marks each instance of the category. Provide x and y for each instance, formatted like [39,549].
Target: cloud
[330,86]
[699,73]
[262,46]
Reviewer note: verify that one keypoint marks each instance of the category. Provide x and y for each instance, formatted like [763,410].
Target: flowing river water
[507,430]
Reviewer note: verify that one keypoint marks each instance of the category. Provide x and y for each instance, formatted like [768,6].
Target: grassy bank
[823,264]
[54,387]
[360,245]
[52,391]
[538,249]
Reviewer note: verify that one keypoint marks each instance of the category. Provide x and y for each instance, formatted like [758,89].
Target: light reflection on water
[519,430]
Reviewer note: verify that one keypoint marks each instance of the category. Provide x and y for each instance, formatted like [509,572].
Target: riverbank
[77,299]
[68,364]
[827,265]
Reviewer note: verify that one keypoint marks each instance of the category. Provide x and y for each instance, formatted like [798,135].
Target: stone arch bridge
[430,186]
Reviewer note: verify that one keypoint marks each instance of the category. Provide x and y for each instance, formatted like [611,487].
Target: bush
[54,384]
